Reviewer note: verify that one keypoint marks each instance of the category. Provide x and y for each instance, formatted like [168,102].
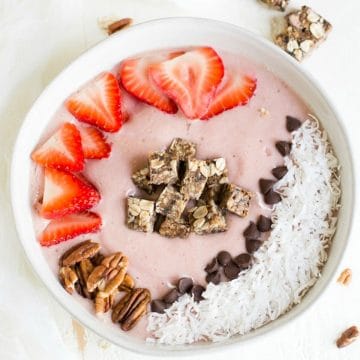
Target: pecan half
[109,274]
[131,308]
[83,269]
[128,283]
[347,337]
[68,278]
[103,302]
[84,250]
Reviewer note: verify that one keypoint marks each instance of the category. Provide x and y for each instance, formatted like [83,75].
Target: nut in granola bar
[305,30]
[163,168]
[140,214]
[236,200]
[207,219]
[195,178]
[182,149]
[129,310]
[171,203]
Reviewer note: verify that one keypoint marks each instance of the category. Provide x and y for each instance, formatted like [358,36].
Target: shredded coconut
[284,268]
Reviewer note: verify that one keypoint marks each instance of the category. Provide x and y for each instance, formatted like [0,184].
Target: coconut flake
[285,267]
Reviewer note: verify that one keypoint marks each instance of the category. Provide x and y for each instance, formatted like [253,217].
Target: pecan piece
[128,283]
[345,277]
[103,302]
[84,250]
[109,274]
[347,337]
[68,278]
[131,308]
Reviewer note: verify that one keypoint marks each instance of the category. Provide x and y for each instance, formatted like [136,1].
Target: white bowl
[159,34]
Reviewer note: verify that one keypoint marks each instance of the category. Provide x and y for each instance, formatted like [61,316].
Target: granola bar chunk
[141,179]
[236,200]
[277,4]
[195,178]
[170,203]
[174,228]
[207,218]
[163,168]
[305,30]
[182,149]
[218,176]
[140,214]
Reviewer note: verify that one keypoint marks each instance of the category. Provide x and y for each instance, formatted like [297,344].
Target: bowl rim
[164,350]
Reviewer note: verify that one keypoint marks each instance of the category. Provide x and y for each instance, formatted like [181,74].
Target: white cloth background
[37,39]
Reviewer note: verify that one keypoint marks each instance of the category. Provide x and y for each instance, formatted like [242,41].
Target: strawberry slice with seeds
[135,78]
[93,143]
[236,90]
[70,226]
[190,79]
[65,193]
[98,103]
[62,150]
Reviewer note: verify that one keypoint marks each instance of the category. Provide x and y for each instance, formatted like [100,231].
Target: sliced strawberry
[98,103]
[135,78]
[236,90]
[65,193]
[70,226]
[62,150]
[190,79]
[93,143]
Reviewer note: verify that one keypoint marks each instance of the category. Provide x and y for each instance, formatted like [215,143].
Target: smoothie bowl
[185,193]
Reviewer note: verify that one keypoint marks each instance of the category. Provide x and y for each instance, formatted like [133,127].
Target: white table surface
[38,38]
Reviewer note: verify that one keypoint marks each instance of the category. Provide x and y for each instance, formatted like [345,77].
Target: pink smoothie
[244,136]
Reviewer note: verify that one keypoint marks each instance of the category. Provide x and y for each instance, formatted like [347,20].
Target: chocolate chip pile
[177,178]
[101,278]
[185,285]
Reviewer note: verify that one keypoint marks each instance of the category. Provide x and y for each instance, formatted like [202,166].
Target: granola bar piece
[174,228]
[218,176]
[236,200]
[182,149]
[277,4]
[140,214]
[207,218]
[163,168]
[305,30]
[195,178]
[141,179]
[170,203]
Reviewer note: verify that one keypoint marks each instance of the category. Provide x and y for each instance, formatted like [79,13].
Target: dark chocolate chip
[283,147]
[264,223]
[197,291]
[251,232]
[292,123]
[171,296]
[252,245]
[212,266]
[279,172]
[231,271]
[213,278]
[272,197]
[223,258]
[243,261]
[185,284]
[266,185]
[158,306]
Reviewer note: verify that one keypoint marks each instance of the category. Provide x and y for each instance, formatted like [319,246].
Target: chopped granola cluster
[178,177]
